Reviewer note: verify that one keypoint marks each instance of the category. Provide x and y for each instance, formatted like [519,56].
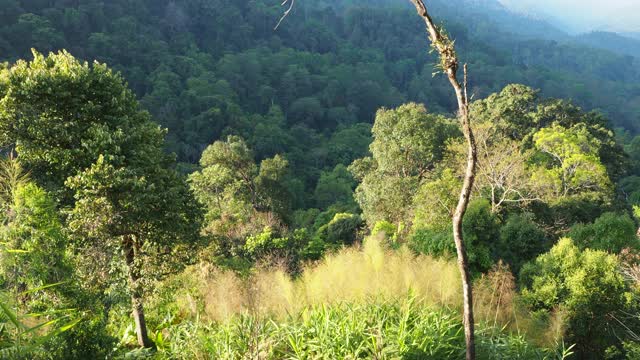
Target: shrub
[520,241]
[586,286]
[434,243]
[389,231]
[481,229]
[342,229]
[610,232]
[271,246]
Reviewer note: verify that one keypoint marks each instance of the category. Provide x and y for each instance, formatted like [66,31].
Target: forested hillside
[627,45]
[181,180]
[208,68]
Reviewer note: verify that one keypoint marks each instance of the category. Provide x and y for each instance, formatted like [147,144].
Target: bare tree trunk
[136,293]
[449,65]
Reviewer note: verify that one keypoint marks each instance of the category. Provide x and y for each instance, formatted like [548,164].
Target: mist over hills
[611,41]
[582,16]
[634,35]
[505,18]
[525,21]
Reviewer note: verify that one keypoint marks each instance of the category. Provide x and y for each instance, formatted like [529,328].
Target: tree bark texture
[449,65]
[136,292]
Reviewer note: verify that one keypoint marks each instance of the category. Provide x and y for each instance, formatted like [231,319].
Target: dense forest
[180,180]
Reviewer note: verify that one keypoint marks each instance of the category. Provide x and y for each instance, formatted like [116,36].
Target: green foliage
[33,242]
[435,202]
[512,110]
[573,167]
[563,212]
[35,270]
[407,144]
[517,112]
[481,231]
[282,249]
[342,229]
[233,188]
[587,287]
[335,187]
[360,330]
[388,230]
[81,133]
[611,232]
[408,141]
[520,241]
[20,338]
[303,99]
[40,116]
[431,242]
[272,187]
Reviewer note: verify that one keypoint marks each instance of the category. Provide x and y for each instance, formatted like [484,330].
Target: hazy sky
[585,15]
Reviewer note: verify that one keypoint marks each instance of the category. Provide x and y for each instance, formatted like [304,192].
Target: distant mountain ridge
[533,25]
[611,41]
[633,35]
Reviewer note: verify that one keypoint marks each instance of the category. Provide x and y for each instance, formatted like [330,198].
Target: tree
[573,167]
[511,111]
[334,186]
[435,202]
[521,240]
[480,228]
[80,132]
[342,229]
[135,210]
[502,174]
[518,112]
[407,144]
[271,184]
[234,189]
[441,42]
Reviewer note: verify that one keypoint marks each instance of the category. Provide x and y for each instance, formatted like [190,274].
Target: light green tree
[572,167]
[587,287]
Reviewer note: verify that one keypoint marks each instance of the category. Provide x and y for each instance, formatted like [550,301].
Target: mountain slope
[611,41]
[206,69]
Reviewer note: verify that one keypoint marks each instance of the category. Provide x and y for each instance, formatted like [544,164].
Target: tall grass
[367,302]
[387,330]
[351,275]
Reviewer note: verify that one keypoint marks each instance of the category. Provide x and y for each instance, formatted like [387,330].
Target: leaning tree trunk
[449,65]
[136,292]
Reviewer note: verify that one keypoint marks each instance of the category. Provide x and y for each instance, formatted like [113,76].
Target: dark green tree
[80,132]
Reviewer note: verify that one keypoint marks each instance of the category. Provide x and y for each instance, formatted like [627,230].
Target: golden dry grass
[358,274]
[352,274]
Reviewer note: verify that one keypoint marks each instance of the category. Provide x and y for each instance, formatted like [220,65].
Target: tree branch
[291,3]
